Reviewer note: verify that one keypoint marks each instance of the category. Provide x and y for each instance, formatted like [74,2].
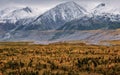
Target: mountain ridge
[59,15]
[68,17]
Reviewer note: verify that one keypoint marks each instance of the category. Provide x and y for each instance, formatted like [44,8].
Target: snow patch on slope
[12,15]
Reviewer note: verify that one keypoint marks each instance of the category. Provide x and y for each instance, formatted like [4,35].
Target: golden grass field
[17,58]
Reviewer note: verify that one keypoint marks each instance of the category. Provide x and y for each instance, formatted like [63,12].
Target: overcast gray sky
[47,4]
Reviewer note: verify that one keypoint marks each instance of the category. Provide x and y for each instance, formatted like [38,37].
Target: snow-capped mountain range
[24,23]
[13,14]
[57,16]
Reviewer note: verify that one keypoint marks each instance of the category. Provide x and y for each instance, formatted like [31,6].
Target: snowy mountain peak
[61,13]
[101,5]
[70,2]
[101,9]
[12,15]
[71,5]
[27,9]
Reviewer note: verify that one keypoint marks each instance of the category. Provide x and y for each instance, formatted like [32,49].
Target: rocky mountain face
[9,17]
[12,15]
[99,18]
[63,22]
[57,16]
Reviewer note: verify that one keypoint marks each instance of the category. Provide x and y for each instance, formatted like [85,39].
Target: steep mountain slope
[100,9]
[6,11]
[66,21]
[57,16]
[103,8]
[100,18]
[12,15]
[93,23]
[9,17]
